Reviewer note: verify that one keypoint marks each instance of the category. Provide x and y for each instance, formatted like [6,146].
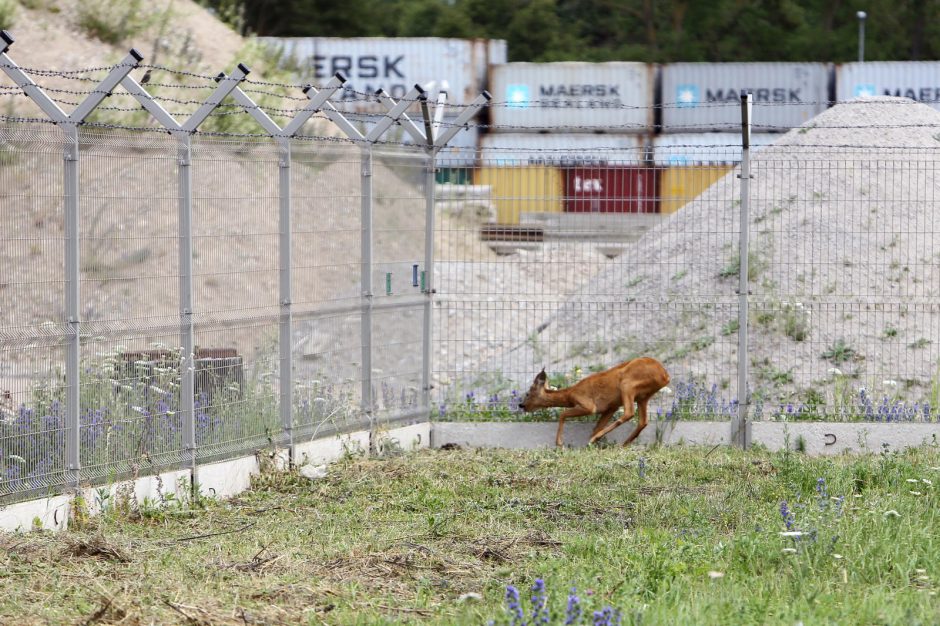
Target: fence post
[366,278]
[72,307]
[740,430]
[286,295]
[187,332]
[428,274]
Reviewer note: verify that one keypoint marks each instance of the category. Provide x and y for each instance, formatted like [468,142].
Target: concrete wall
[814,438]
[542,434]
[221,480]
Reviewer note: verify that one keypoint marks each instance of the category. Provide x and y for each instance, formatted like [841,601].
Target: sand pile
[844,271]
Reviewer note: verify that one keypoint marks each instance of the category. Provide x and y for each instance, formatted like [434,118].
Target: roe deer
[602,393]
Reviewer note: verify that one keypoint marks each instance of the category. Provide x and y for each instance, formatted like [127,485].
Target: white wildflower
[916,493]
[836,556]
[889,383]
[470,595]
[892,513]
[666,390]
[835,371]
[792,533]
[789,550]
[926,482]
[912,480]
[715,575]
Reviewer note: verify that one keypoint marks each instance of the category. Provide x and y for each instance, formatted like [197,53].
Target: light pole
[861,15]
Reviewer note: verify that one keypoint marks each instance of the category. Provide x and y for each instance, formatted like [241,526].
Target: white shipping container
[499,149]
[707,96]
[917,80]
[705,148]
[458,66]
[578,97]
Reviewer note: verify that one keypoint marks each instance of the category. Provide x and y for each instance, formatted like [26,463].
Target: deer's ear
[542,377]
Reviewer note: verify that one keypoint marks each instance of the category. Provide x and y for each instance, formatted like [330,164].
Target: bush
[7,13]
[113,21]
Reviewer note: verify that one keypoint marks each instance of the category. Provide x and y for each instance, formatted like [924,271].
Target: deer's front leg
[577,411]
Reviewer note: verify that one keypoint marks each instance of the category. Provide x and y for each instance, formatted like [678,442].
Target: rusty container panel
[523,189]
[611,189]
[682,184]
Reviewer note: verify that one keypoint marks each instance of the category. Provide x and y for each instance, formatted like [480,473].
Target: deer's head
[536,392]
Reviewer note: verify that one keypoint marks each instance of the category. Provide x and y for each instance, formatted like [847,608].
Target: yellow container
[523,189]
[681,185]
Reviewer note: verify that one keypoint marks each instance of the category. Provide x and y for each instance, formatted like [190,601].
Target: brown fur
[602,394]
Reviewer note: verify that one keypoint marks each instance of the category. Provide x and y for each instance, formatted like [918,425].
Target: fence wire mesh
[566,251]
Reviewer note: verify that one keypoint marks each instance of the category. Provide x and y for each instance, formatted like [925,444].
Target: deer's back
[645,375]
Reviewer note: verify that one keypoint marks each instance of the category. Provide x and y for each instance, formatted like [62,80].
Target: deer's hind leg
[577,411]
[641,420]
[602,422]
[627,415]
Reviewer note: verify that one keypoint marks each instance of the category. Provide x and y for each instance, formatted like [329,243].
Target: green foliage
[755,266]
[795,321]
[114,21]
[7,14]
[624,30]
[840,352]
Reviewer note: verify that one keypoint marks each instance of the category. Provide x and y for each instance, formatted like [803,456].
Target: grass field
[661,536]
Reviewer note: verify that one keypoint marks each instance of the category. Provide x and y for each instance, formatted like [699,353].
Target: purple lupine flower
[573,614]
[514,607]
[786,514]
[539,603]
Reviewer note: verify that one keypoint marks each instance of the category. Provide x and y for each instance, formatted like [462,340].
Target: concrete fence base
[220,480]
[230,477]
[816,438]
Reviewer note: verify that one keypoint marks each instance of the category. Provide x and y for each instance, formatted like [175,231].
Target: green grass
[399,540]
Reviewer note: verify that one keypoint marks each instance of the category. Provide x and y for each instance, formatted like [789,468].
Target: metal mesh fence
[297,286]
[32,356]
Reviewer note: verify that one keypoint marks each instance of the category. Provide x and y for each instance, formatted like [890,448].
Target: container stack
[569,137]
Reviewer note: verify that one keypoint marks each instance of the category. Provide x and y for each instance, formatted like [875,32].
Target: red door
[611,189]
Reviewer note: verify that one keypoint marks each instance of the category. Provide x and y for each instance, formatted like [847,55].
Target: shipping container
[562,149]
[522,189]
[706,97]
[458,66]
[917,80]
[578,97]
[681,184]
[611,189]
[704,148]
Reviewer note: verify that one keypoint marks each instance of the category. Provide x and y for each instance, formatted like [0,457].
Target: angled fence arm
[263,119]
[439,113]
[410,127]
[394,114]
[315,104]
[428,124]
[153,107]
[226,85]
[24,82]
[330,111]
[104,89]
[465,116]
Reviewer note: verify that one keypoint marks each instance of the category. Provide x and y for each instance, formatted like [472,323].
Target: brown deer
[602,393]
